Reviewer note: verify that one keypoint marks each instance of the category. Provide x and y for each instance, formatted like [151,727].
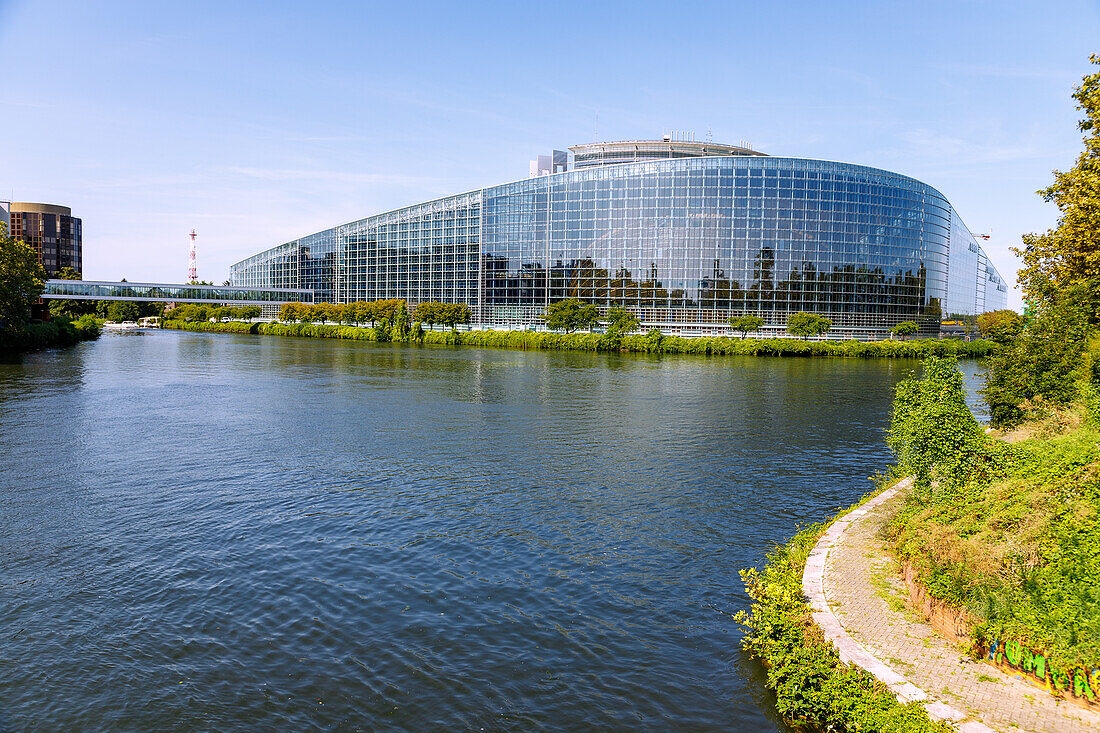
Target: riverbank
[640,343]
[998,540]
[1003,536]
[813,685]
[57,332]
[869,613]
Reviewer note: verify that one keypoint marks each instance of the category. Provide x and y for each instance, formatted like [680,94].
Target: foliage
[1049,360]
[1001,326]
[812,686]
[1045,363]
[570,315]
[447,314]
[1069,254]
[122,310]
[21,281]
[807,324]
[905,328]
[49,334]
[72,308]
[621,322]
[198,312]
[1010,532]
[399,323]
[744,324]
[652,342]
[933,433]
[88,327]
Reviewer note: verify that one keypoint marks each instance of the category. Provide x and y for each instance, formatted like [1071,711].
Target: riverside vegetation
[391,321]
[653,342]
[22,280]
[1008,529]
[1004,527]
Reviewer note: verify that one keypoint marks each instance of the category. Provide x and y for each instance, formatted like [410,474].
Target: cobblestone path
[868,597]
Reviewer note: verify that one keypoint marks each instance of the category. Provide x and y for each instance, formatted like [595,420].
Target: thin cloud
[306,174]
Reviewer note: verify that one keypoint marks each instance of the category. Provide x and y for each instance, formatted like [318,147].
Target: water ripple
[215,532]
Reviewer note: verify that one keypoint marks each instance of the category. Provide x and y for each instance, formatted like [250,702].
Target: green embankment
[1008,531]
[48,334]
[640,343]
[812,686]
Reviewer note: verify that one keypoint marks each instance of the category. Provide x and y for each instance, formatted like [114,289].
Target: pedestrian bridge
[167,293]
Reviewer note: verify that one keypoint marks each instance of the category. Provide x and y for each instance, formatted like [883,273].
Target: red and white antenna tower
[192,271]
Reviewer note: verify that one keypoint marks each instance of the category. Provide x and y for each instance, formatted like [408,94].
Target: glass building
[52,230]
[166,293]
[683,234]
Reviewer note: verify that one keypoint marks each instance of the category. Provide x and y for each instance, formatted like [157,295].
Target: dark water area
[203,531]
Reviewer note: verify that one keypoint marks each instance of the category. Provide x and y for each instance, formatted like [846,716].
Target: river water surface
[203,531]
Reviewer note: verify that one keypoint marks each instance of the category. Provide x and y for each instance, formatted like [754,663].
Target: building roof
[628,151]
[23,207]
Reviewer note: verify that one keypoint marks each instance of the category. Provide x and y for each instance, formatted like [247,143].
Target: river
[208,531]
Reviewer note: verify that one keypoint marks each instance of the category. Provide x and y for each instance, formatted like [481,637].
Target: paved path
[866,596]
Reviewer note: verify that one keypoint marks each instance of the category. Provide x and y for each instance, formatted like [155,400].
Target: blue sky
[255,123]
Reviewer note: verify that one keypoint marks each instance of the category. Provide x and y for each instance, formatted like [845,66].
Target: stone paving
[865,593]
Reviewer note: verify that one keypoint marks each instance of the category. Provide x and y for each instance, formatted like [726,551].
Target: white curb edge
[850,650]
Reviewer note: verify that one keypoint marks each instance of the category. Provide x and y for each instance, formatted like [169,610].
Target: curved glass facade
[683,243]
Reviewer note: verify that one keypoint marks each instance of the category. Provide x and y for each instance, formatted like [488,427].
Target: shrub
[812,686]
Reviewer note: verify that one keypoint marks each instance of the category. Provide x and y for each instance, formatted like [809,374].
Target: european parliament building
[684,234]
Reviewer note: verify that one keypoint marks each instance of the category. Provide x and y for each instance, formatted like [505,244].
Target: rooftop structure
[634,151]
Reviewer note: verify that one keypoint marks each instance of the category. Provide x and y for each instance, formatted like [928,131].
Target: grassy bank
[48,334]
[640,343]
[1007,530]
[812,686]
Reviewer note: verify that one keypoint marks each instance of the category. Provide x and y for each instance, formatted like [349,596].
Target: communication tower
[192,271]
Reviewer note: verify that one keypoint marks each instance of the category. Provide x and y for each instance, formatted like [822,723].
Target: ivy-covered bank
[652,342]
[813,688]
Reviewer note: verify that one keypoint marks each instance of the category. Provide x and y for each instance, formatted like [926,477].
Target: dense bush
[812,686]
[52,333]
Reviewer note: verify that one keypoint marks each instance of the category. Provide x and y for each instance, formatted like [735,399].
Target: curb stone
[850,650]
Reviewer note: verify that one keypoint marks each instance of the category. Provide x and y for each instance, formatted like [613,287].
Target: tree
[66,308]
[570,315]
[428,312]
[1001,326]
[1069,254]
[399,324]
[807,324]
[21,280]
[293,312]
[248,312]
[384,310]
[122,310]
[621,322]
[744,324]
[905,328]
[454,314]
